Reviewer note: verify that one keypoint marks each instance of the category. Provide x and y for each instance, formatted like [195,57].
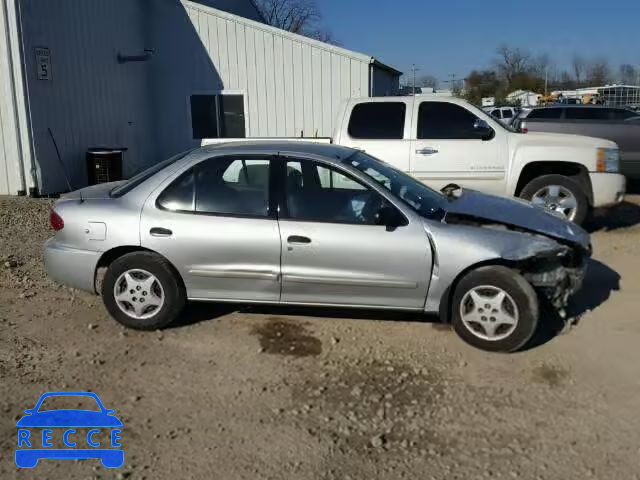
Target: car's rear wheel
[495,308]
[558,194]
[141,290]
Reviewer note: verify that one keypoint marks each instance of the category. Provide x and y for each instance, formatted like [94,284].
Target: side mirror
[29,410]
[482,129]
[390,217]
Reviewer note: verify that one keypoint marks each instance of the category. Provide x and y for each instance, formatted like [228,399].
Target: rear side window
[587,113]
[443,120]
[507,114]
[378,121]
[222,186]
[546,114]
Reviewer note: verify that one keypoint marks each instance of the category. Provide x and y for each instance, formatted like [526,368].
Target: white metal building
[156,76]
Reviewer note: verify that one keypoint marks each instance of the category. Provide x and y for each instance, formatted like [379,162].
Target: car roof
[274,147]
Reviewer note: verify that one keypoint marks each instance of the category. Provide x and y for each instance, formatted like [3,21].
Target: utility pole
[546,80]
[414,69]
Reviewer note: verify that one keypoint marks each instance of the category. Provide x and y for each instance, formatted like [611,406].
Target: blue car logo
[39,429]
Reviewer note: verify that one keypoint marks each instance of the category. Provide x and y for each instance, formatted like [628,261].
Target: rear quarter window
[378,121]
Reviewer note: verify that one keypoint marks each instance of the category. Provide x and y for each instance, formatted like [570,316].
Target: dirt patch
[283,337]
[550,374]
[374,404]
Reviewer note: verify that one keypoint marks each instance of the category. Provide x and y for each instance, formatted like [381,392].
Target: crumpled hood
[516,213]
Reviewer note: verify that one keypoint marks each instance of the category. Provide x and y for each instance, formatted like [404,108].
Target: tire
[540,183]
[508,337]
[164,295]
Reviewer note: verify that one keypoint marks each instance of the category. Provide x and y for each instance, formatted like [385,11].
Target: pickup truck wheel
[495,309]
[141,291]
[559,194]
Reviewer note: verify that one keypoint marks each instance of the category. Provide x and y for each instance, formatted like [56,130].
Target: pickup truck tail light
[56,221]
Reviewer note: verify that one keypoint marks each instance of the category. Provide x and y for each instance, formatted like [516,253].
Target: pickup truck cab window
[443,120]
[378,120]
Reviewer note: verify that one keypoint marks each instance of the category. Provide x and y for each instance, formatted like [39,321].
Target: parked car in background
[619,125]
[503,114]
[313,224]
[448,140]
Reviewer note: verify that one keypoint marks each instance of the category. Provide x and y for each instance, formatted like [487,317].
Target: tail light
[56,221]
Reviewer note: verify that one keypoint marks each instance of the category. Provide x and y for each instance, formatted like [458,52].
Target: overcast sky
[444,37]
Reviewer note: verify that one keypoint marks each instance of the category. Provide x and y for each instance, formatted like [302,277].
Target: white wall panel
[299,83]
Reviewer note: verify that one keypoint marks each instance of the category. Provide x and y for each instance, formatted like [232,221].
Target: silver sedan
[313,224]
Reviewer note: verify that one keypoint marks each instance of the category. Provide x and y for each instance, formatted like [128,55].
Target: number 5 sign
[43,63]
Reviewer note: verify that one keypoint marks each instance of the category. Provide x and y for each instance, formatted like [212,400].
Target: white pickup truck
[444,140]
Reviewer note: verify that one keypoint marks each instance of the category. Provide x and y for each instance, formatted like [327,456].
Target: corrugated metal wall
[294,85]
[91,99]
[13,131]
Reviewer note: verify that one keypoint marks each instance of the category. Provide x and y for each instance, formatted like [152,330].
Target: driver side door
[447,148]
[333,250]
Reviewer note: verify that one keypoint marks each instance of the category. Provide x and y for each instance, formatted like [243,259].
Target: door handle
[426,151]
[160,232]
[298,239]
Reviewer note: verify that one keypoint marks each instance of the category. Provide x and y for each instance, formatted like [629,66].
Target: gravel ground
[318,394]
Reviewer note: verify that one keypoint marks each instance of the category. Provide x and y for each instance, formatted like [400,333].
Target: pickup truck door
[381,128]
[453,144]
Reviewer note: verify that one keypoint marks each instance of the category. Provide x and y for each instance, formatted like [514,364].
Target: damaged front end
[556,277]
[554,266]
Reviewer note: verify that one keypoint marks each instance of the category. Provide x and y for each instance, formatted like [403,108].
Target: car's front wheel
[142,291]
[495,308]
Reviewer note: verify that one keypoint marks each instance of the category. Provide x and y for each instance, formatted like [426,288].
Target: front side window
[221,186]
[378,121]
[217,116]
[446,121]
[320,193]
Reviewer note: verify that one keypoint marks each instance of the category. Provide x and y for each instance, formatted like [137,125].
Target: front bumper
[71,266]
[608,188]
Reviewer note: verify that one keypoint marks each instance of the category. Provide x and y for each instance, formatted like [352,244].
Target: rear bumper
[70,266]
[608,188]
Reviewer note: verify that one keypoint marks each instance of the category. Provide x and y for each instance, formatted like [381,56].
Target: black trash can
[104,165]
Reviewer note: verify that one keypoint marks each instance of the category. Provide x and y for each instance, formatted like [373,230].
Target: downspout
[371,65]
[21,104]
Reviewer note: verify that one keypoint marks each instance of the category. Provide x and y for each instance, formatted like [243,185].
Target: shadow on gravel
[197,312]
[596,289]
[622,215]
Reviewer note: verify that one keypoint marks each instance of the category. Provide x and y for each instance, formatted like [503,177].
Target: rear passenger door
[214,222]
[381,128]
[448,148]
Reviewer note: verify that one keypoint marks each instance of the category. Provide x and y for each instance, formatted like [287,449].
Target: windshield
[416,195]
[132,183]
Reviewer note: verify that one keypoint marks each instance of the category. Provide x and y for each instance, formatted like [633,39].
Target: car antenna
[64,170]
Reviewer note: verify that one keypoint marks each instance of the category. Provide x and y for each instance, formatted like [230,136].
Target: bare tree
[628,74]
[296,16]
[428,81]
[512,62]
[598,72]
[579,65]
